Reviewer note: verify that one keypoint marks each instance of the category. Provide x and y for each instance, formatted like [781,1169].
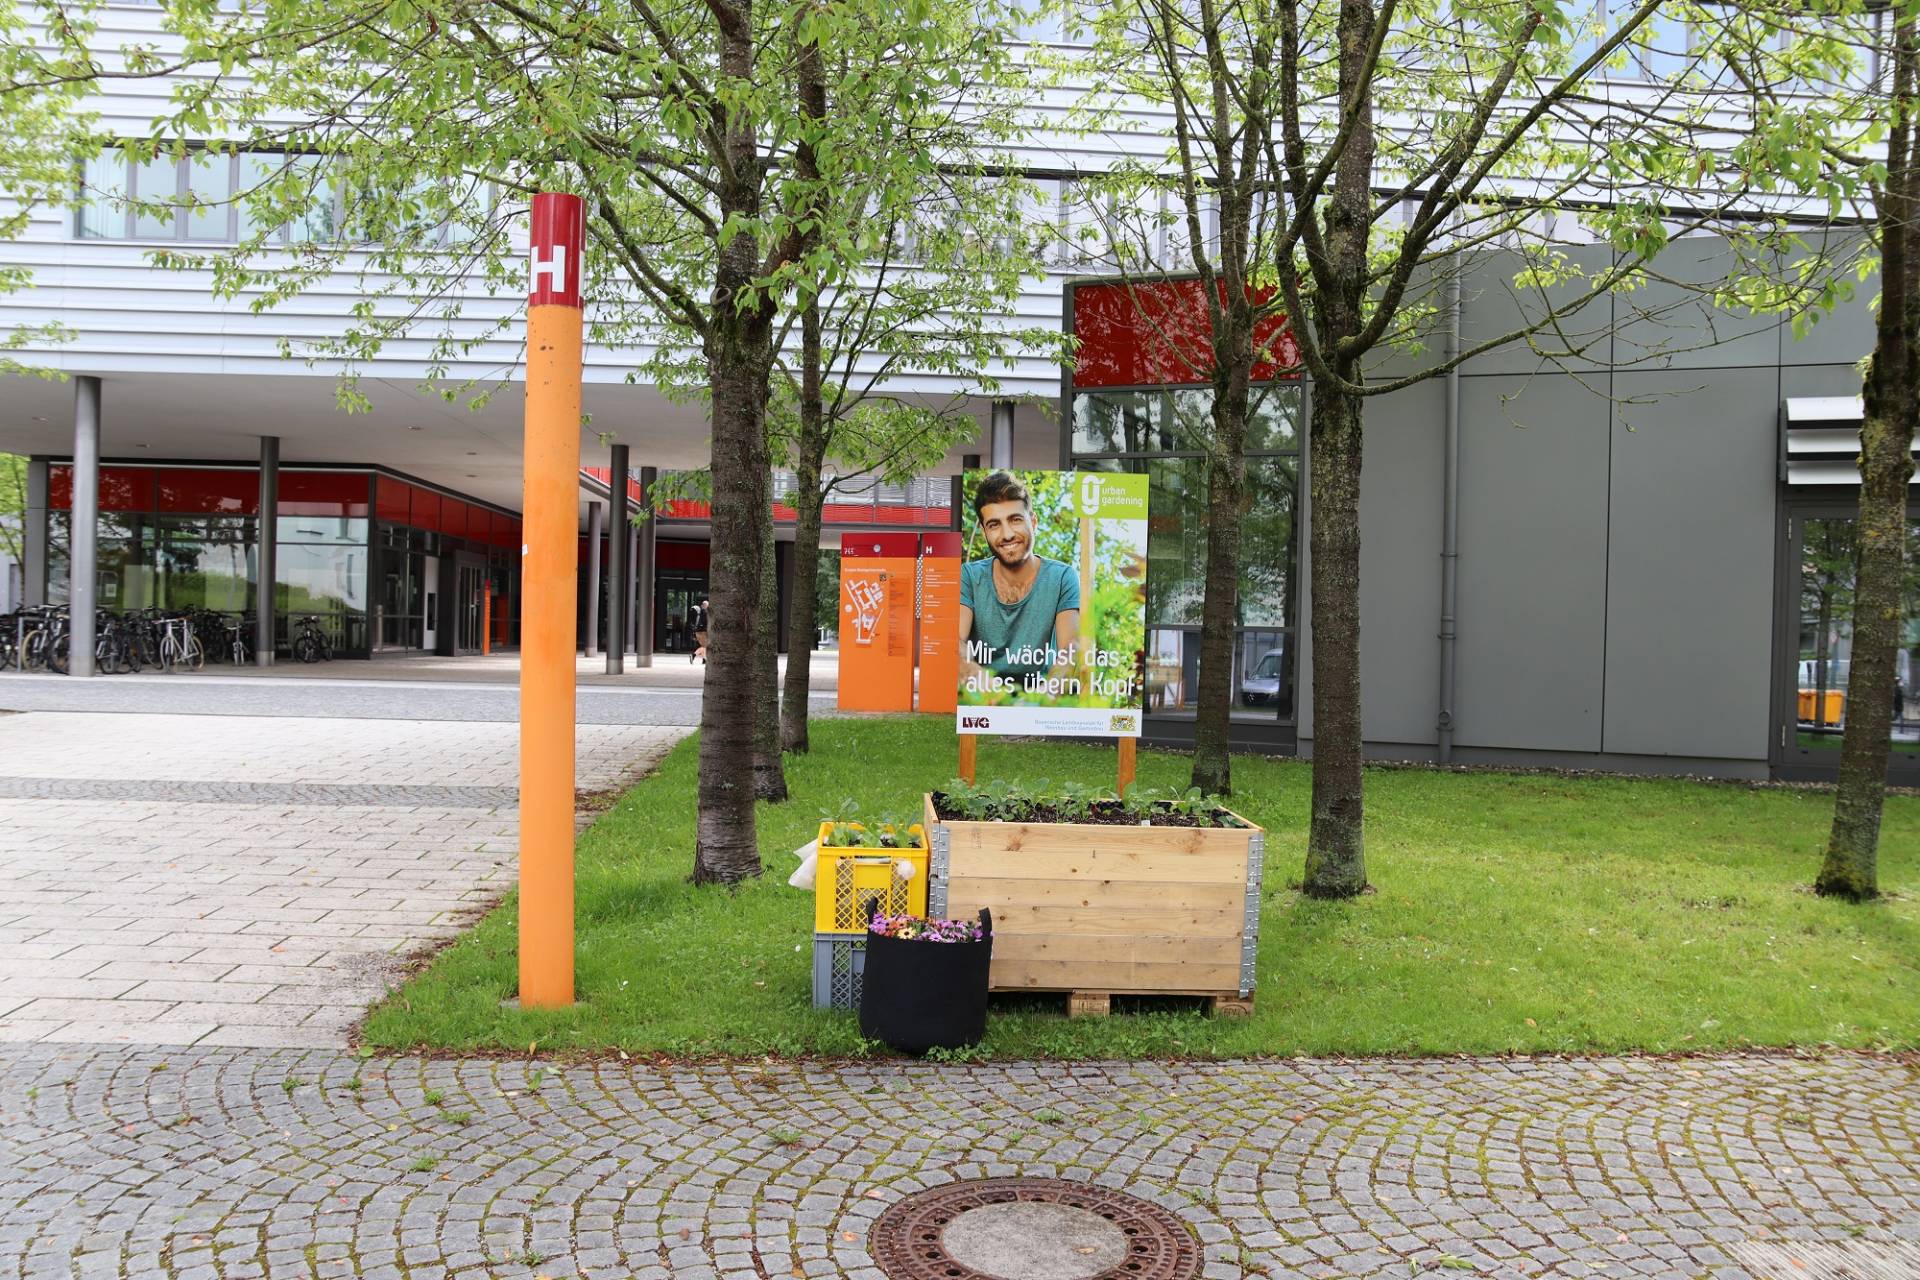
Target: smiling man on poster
[1019,611]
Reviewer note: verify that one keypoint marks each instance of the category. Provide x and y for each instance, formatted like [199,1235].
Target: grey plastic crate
[839,962]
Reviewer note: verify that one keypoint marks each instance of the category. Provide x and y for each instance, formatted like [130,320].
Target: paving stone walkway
[248,880]
[202,1163]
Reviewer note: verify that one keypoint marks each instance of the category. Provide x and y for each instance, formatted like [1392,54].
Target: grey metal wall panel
[1820,380]
[1844,334]
[1400,498]
[1492,305]
[1664,325]
[1533,533]
[1690,569]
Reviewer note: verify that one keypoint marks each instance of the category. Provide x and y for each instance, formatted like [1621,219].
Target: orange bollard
[547,574]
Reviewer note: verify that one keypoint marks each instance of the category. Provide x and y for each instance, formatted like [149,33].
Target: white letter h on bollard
[553,268]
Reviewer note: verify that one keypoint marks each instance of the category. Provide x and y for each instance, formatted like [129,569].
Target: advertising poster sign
[1053,603]
[876,621]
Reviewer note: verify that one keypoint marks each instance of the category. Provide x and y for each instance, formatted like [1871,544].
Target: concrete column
[269,556]
[86,521]
[643,576]
[1000,435]
[596,516]
[633,576]
[33,588]
[621,570]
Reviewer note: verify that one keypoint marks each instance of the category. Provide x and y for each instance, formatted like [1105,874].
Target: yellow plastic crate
[849,879]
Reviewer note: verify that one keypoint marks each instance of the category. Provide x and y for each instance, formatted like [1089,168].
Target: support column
[643,576]
[620,569]
[595,516]
[1000,435]
[633,576]
[33,586]
[267,595]
[84,537]
[958,503]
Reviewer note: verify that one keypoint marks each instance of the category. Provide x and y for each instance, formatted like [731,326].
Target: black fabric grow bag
[920,995]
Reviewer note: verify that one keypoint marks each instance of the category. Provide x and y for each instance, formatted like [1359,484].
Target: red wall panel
[335,494]
[1156,334]
[121,488]
[207,491]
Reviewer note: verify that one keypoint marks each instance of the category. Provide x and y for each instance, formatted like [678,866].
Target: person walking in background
[701,614]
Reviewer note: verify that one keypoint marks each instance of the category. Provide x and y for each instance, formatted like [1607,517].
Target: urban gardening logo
[1105,496]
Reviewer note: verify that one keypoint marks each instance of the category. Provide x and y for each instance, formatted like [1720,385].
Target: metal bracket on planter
[1250,926]
[940,847]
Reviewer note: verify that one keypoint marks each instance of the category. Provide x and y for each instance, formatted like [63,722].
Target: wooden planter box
[1097,910]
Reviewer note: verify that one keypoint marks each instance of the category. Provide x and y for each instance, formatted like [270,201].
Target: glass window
[1263,688]
[328,583]
[103,216]
[314,202]
[1829,561]
[1121,422]
[1659,49]
[156,184]
[208,198]
[320,530]
[205,562]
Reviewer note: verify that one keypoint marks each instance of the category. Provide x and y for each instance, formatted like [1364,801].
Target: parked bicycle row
[40,639]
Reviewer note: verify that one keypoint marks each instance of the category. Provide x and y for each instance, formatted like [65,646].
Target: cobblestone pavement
[178,880]
[119,1162]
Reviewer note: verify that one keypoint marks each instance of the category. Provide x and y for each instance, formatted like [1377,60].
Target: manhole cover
[1031,1229]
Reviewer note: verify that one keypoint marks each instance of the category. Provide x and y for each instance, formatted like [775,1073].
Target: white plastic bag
[803,876]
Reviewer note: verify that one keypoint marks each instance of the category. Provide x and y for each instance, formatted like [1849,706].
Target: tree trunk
[1336,849]
[801,623]
[810,456]
[1892,397]
[769,779]
[739,353]
[1850,868]
[727,848]
[1220,606]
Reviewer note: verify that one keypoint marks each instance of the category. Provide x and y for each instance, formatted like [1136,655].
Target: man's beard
[1025,553]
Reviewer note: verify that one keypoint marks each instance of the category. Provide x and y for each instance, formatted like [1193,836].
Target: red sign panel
[939,620]
[1158,334]
[553,258]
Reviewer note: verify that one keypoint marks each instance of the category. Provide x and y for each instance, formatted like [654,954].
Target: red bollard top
[559,234]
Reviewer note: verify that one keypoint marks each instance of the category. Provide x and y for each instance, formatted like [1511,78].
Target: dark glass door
[469,606]
[1823,550]
[676,592]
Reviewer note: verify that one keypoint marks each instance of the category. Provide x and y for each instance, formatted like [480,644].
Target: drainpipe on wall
[1450,529]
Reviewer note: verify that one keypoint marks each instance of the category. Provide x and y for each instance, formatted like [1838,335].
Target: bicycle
[311,644]
[179,646]
[237,650]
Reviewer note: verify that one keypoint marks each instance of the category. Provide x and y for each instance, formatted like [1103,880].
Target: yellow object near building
[1835,710]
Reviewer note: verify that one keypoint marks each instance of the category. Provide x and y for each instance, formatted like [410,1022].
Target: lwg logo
[973,722]
[1120,724]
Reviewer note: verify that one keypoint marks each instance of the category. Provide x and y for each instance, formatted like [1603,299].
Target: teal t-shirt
[1017,635]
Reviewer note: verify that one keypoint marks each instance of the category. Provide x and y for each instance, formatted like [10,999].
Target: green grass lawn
[1512,913]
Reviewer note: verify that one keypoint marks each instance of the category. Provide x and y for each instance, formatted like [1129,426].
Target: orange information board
[939,620]
[876,621]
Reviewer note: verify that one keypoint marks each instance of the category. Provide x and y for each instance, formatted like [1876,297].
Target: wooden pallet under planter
[1096,911]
